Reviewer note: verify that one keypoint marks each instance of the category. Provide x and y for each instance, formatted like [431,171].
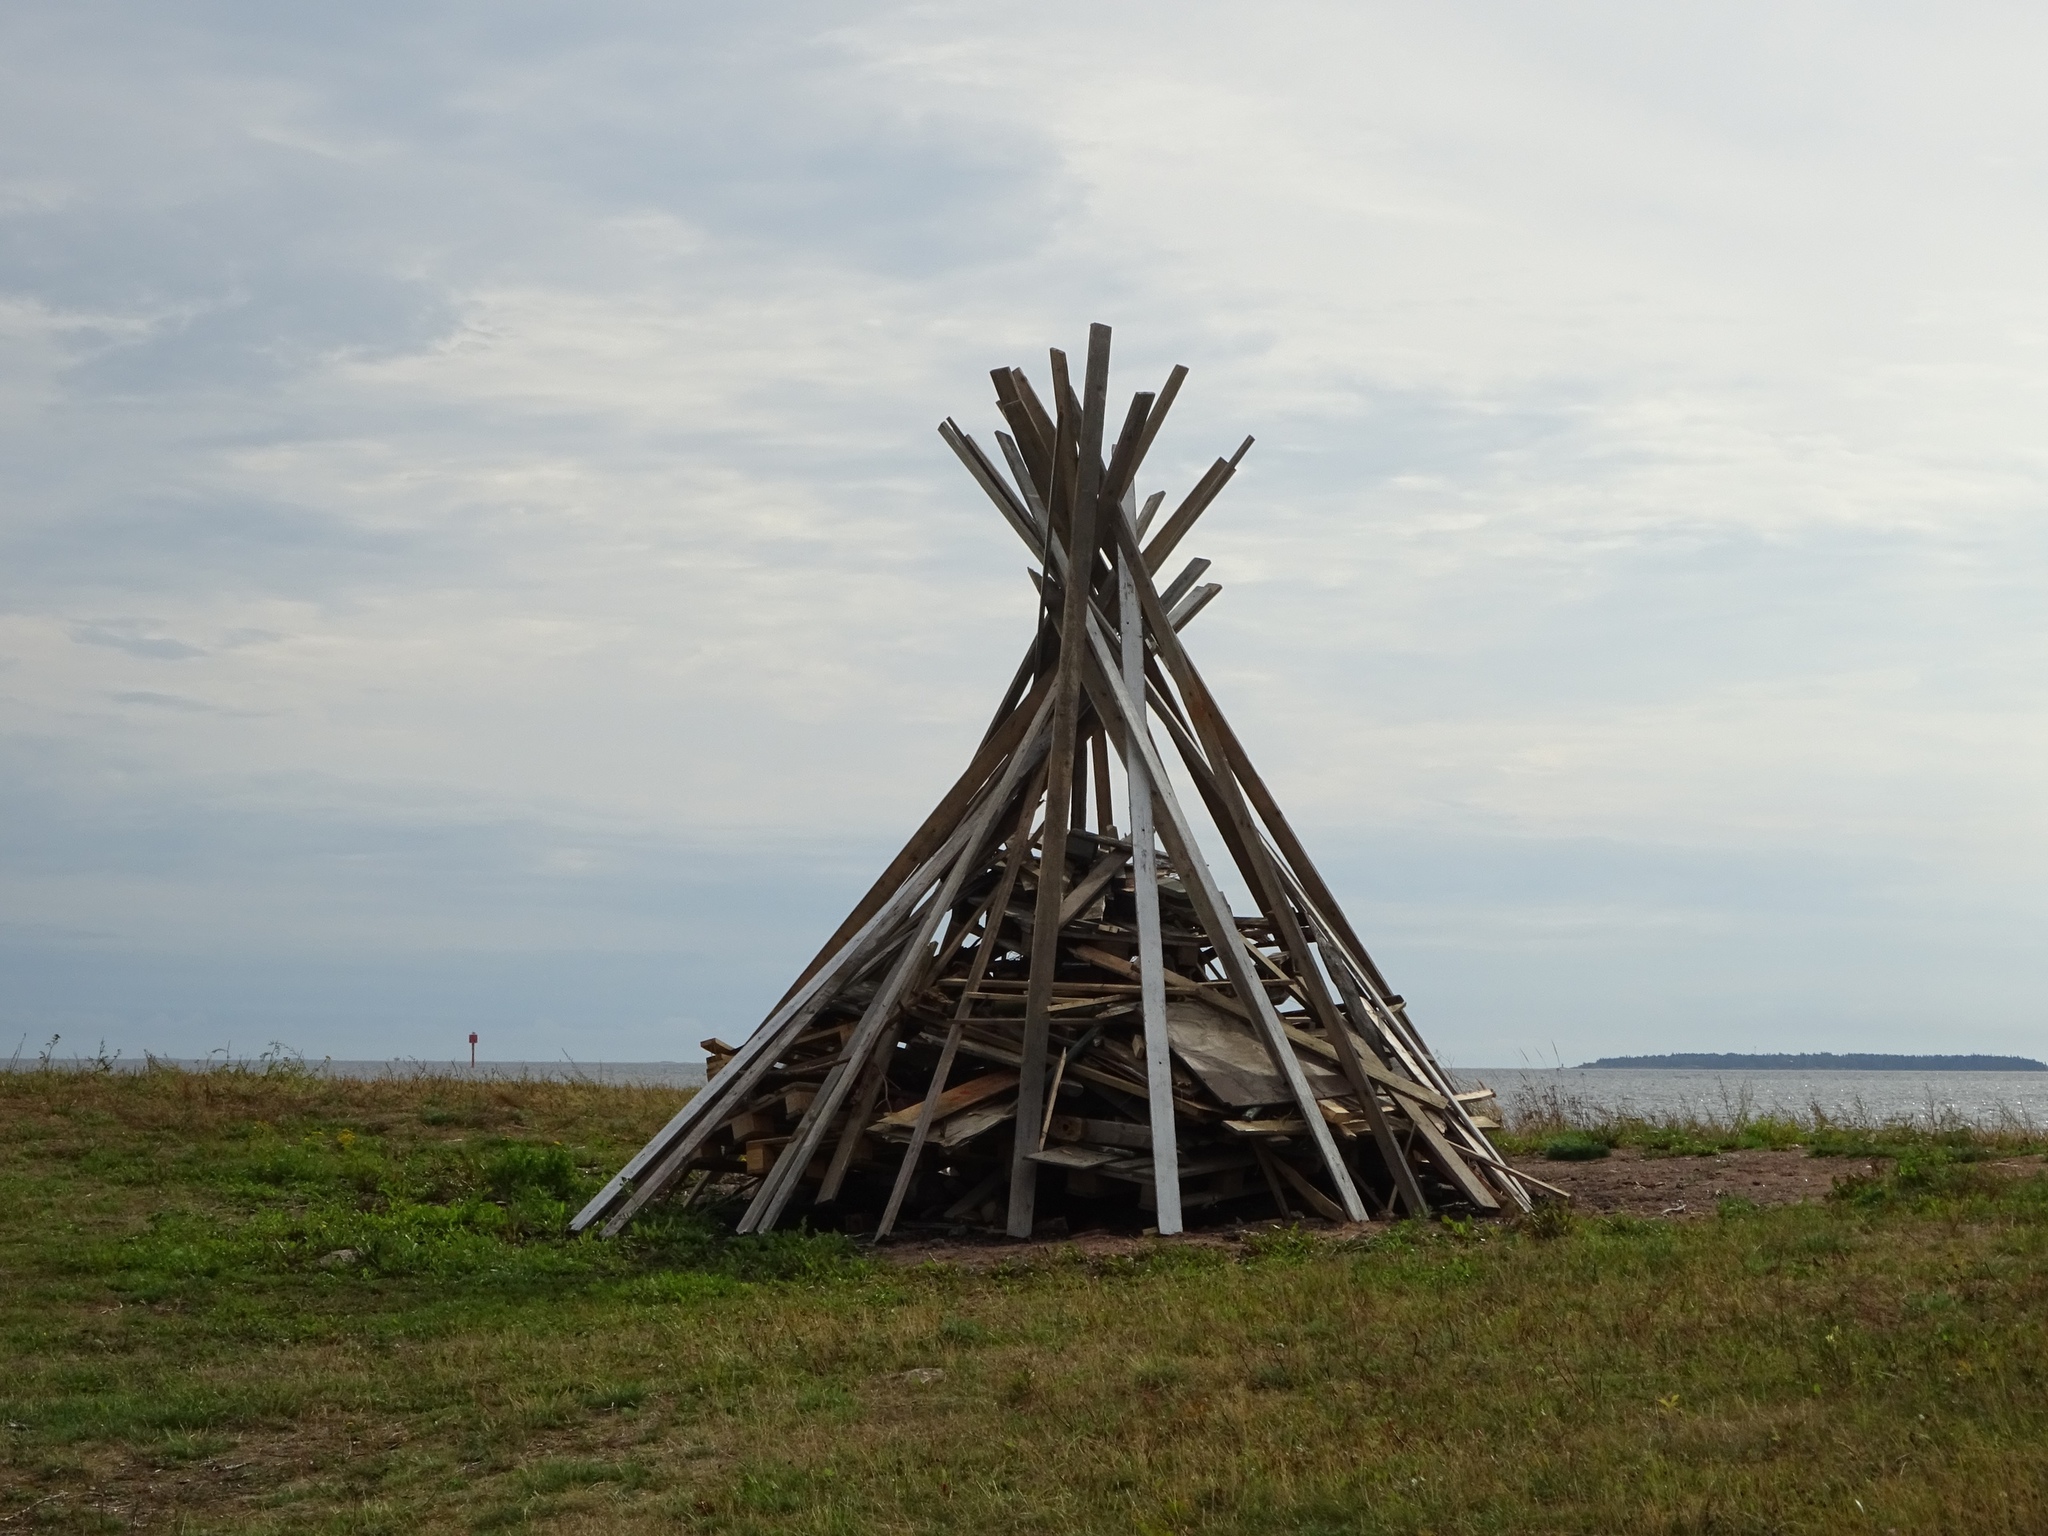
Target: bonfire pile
[1034,1015]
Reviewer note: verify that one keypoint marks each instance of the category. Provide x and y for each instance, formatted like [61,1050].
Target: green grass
[178,1355]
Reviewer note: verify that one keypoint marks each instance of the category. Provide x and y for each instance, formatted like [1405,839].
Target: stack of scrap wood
[1035,1012]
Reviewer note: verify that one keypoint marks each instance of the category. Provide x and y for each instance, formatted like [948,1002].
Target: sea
[2014,1099]
[664,1074]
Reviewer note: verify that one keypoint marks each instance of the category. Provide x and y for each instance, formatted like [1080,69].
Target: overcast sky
[475,553]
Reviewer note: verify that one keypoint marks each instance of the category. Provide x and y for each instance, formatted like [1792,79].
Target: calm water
[676,1074]
[1980,1098]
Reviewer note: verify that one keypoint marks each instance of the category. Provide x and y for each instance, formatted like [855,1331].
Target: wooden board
[953,1100]
[1231,1061]
[1075,1157]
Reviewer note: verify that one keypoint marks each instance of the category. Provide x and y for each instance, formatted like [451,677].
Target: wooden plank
[1073,1157]
[1520,1175]
[776,1189]
[1154,420]
[1318,1202]
[1220,1160]
[1389,1026]
[1150,511]
[1077,805]
[1080,546]
[1020,471]
[1208,991]
[1011,990]
[668,1151]
[958,1130]
[975,1196]
[1183,584]
[1406,1185]
[1193,604]
[959,1097]
[1392,1081]
[1254,861]
[1449,1158]
[908,1168]
[854,1130]
[1093,884]
[936,827]
[1007,1056]
[1233,818]
[1105,1133]
[1196,502]
[1035,410]
[1105,813]
[753,1125]
[1291,849]
[1052,1097]
[1123,462]
[1233,1062]
[1267,1167]
[1207,900]
[1013,509]
[1059,502]
[1036,449]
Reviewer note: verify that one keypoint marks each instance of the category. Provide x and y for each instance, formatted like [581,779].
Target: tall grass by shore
[1539,1117]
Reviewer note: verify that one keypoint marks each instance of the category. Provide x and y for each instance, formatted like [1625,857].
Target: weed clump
[523,1169]
[1576,1147]
[1550,1220]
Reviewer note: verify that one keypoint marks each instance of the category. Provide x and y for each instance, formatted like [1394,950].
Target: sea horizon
[1927,1096]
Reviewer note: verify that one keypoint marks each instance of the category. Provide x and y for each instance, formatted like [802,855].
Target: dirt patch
[1679,1187]
[1623,1183]
[978,1252]
[1628,1183]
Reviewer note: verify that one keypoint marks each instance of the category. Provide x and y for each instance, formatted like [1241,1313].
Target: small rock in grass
[924,1375]
[341,1258]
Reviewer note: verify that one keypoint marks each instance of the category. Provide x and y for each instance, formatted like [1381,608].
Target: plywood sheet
[1232,1062]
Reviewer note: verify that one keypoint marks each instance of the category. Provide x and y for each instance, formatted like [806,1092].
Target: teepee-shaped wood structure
[1025,1011]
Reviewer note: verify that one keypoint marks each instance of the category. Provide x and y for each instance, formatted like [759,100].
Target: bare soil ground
[1625,1183]
[1628,1183]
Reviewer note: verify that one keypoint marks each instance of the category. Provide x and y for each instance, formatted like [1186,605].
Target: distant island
[1822,1061]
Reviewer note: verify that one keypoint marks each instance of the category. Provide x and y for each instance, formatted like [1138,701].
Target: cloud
[127,635]
[162,701]
[516,426]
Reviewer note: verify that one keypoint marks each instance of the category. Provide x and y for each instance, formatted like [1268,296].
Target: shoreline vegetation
[1813,1061]
[1560,1125]
[260,1298]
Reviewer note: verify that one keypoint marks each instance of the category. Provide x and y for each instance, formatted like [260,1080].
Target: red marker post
[472,1047]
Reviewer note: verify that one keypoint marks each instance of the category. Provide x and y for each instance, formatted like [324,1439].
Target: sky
[475,555]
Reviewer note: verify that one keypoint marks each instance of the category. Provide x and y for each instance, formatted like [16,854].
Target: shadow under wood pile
[1032,1013]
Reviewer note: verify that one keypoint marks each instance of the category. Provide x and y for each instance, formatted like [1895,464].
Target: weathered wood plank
[1210,908]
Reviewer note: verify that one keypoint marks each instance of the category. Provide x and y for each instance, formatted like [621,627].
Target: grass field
[266,1301]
